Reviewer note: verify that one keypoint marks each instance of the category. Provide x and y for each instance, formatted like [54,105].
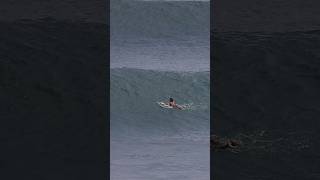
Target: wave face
[134,111]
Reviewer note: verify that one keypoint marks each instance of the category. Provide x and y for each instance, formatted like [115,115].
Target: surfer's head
[171,99]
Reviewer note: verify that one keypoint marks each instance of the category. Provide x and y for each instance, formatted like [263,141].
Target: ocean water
[266,95]
[159,50]
[149,142]
[192,54]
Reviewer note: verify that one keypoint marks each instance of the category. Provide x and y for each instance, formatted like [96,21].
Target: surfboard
[181,107]
[164,105]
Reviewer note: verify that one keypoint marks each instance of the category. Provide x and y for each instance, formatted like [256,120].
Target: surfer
[173,104]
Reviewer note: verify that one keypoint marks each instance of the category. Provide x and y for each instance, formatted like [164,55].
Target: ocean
[149,142]
[159,50]
[266,93]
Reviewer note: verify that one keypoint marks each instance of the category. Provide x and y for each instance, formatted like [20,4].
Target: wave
[134,97]
[141,19]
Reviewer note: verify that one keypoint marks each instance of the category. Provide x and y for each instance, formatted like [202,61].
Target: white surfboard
[164,105]
[181,107]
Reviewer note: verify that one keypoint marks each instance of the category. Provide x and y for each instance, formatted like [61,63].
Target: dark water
[267,94]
